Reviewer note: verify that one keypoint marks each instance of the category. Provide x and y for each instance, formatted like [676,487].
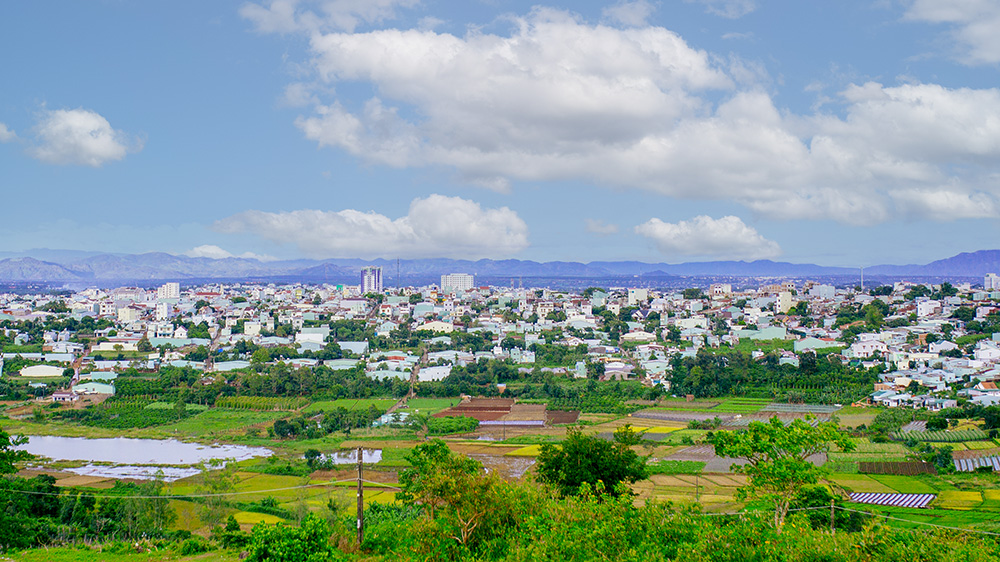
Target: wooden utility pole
[361,500]
[831,517]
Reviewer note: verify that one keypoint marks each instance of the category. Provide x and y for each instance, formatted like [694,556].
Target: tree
[144,345]
[591,459]
[278,543]
[777,467]
[8,455]
[451,485]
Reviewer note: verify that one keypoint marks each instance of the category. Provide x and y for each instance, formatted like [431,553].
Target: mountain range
[77,267]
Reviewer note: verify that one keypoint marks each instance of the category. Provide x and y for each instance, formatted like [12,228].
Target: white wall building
[371,280]
[637,296]
[457,282]
[992,281]
[169,291]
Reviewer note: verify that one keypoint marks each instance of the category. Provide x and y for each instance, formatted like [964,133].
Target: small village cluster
[932,344]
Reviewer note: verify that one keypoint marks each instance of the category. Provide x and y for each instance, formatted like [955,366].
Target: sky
[835,132]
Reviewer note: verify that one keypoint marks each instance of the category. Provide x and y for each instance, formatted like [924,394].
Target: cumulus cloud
[597,226]
[724,238]
[944,204]
[79,136]
[629,12]
[731,9]
[6,135]
[435,226]
[557,98]
[214,252]
[286,16]
[973,23]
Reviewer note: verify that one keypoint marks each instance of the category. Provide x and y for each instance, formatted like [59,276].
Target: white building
[783,303]
[637,296]
[169,291]
[720,290]
[822,292]
[371,280]
[457,282]
[992,281]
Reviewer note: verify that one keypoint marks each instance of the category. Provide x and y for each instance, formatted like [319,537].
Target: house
[65,396]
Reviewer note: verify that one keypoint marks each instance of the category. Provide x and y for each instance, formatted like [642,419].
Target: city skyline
[689,130]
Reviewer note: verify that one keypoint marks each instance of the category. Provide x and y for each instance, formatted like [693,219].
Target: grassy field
[351,404]
[220,421]
[430,405]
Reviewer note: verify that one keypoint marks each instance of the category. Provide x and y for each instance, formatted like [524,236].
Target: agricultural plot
[430,405]
[350,404]
[959,499]
[860,483]
[740,406]
[969,465]
[980,445]
[942,436]
[904,484]
[260,403]
[904,468]
[800,408]
[864,446]
[897,500]
[222,420]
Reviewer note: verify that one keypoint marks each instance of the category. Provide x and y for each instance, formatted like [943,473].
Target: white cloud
[974,25]
[945,205]
[214,252]
[629,12]
[6,135]
[79,136]
[435,226]
[731,9]
[559,99]
[287,16]
[724,238]
[597,226]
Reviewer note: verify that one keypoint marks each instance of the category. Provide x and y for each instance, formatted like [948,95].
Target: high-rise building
[991,281]
[371,280]
[457,282]
[169,291]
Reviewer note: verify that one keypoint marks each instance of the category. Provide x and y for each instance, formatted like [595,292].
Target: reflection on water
[121,450]
[368,456]
[165,473]
[506,467]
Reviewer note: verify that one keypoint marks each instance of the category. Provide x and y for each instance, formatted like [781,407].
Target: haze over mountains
[55,266]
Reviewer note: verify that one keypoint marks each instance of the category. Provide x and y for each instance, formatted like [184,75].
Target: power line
[184,496]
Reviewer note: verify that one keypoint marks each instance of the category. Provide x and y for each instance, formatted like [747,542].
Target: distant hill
[89,267]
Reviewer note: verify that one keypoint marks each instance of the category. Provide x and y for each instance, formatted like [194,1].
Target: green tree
[8,455]
[144,345]
[777,455]
[591,459]
[278,543]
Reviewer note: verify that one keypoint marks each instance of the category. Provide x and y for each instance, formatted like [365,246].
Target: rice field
[959,499]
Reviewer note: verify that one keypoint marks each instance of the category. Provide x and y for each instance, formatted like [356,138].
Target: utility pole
[831,517]
[361,501]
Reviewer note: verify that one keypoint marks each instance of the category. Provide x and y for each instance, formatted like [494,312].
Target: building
[169,291]
[720,290]
[992,281]
[457,282]
[783,303]
[637,296]
[371,280]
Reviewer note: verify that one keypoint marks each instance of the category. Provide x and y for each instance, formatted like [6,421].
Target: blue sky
[832,132]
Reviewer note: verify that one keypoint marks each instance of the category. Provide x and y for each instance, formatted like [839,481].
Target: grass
[676,467]
[220,420]
[967,519]
[904,484]
[860,483]
[351,404]
[430,405]
[82,554]
[529,451]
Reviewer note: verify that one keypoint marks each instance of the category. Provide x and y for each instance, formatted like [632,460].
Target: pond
[368,456]
[136,458]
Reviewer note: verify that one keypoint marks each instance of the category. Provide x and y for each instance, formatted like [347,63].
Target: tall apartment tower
[991,281]
[457,282]
[169,291]
[371,280]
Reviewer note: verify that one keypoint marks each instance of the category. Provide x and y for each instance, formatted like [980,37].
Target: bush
[194,545]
